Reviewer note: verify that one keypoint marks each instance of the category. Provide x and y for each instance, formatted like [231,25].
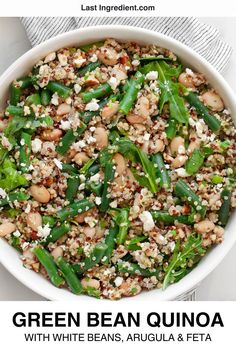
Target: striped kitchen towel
[204,39]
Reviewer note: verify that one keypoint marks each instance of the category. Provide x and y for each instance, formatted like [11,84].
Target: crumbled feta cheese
[6,143]
[62,59]
[113,204]
[181,149]
[189,72]
[113,82]
[152,75]
[98,200]
[28,208]
[17,233]
[3,194]
[55,99]
[36,145]
[192,122]
[50,57]
[146,137]
[181,172]
[79,145]
[58,163]
[92,106]
[135,62]
[81,186]
[26,111]
[79,61]
[65,125]
[93,58]
[118,281]
[147,220]
[44,231]
[95,178]
[77,88]
[92,129]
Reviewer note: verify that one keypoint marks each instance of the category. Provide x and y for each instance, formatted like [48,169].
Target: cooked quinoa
[117,168]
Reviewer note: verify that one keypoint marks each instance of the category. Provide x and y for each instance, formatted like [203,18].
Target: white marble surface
[220,284]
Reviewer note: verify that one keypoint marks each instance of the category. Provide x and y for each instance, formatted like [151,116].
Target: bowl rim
[218,253]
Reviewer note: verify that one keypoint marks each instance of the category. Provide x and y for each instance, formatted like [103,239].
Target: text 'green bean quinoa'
[117,168]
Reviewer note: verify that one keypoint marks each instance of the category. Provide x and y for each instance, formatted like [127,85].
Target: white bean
[179,161]
[204,226]
[34,220]
[57,252]
[89,231]
[186,80]
[213,101]
[120,163]
[144,106]
[51,135]
[176,144]
[101,136]
[63,109]
[108,56]
[110,110]
[7,228]
[135,119]
[40,193]
[80,158]
[89,282]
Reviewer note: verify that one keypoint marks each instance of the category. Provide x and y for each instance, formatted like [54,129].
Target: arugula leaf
[132,245]
[178,266]
[195,162]
[169,89]
[135,154]
[121,218]
[10,177]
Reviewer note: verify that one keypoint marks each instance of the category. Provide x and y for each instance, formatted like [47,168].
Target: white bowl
[10,258]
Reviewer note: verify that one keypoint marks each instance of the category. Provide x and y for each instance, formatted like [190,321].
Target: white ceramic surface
[20,67]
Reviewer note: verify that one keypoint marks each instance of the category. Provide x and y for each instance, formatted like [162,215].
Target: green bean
[224,211]
[69,138]
[48,219]
[135,269]
[108,177]
[85,169]
[68,168]
[33,99]
[97,92]
[74,209]
[195,162]
[183,191]
[121,218]
[56,233]
[130,96]
[11,197]
[88,68]
[15,110]
[93,169]
[93,259]
[110,241]
[25,150]
[85,48]
[167,219]
[45,97]
[69,274]
[171,128]
[25,82]
[15,94]
[47,261]
[213,123]
[62,90]
[95,188]
[72,188]
[162,172]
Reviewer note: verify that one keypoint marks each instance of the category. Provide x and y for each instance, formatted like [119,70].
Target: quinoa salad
[117,168]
